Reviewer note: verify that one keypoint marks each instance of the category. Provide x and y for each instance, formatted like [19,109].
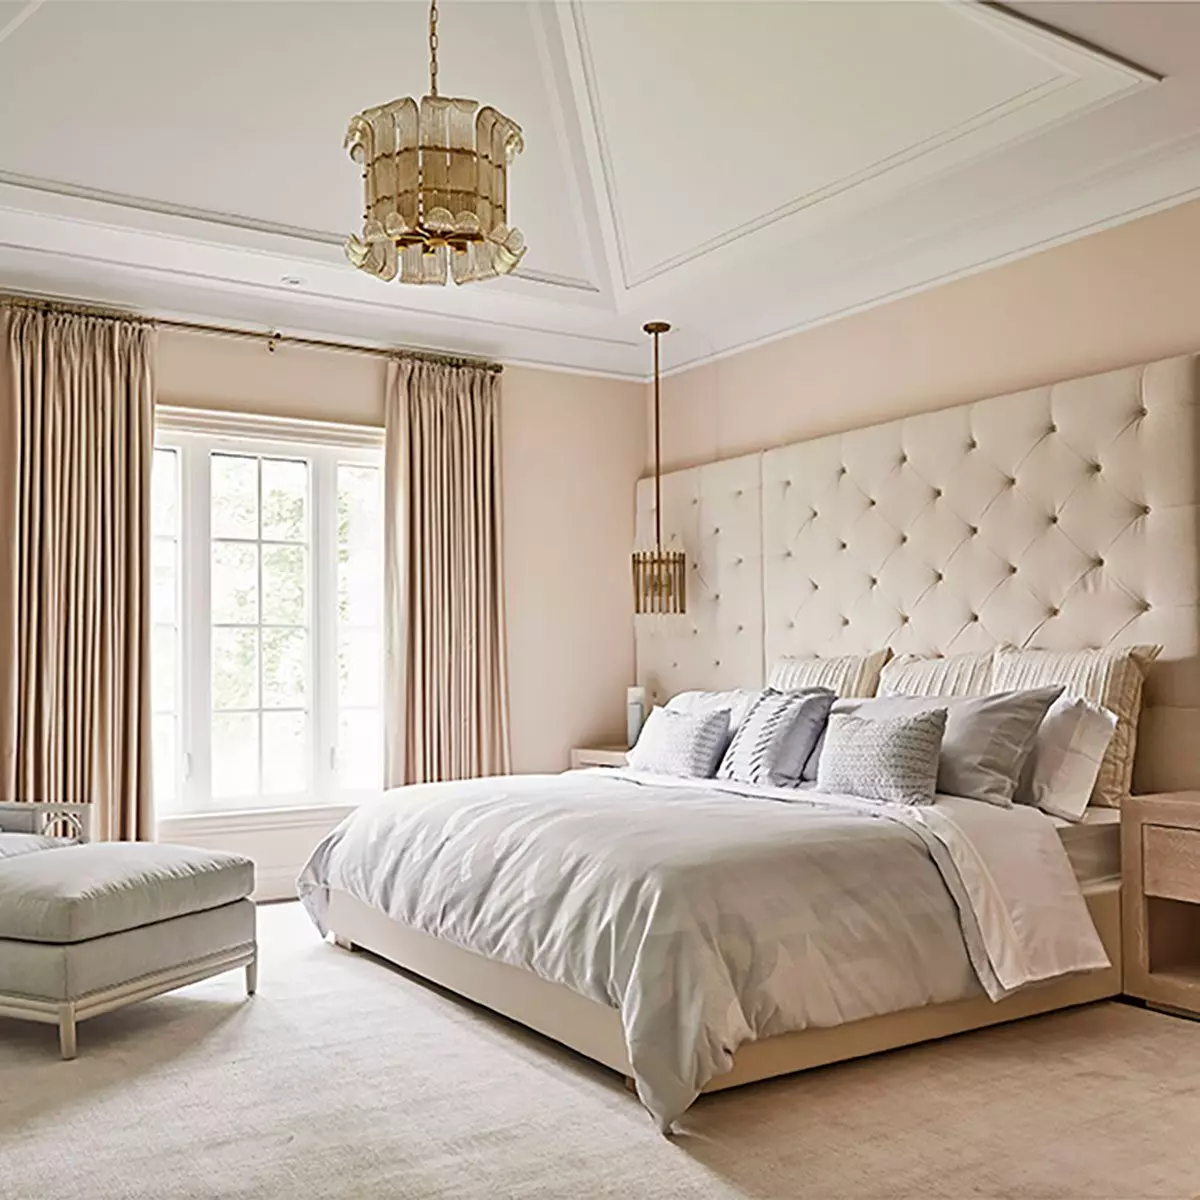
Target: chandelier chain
[433,47]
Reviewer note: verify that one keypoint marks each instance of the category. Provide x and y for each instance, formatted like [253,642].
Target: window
[267,608]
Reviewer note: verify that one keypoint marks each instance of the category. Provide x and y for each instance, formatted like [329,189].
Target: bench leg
[252,976]
[66,1030]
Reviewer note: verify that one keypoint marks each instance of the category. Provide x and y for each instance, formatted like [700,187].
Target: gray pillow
[776,736]
[987,739]
[673,743]
[888,758]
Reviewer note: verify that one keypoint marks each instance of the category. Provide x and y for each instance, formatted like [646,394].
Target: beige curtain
[76,446]
[446,690]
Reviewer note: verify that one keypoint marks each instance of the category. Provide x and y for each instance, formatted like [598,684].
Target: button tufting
[741,628]
[787,483]
[737,562]
[845,620]
[1145,510]
[738,492]
[1054,518]
[904,618]
[1052,612]
[873,581]
[972,445]
[938,576]
[841,545]
[871,502]
[1142,411]
[1012,568]
[787,554]
[841,472]
[937,493]
[973,530]
[903,538]
[716,597]
[1094,468]
[1052,428]
[1009,481]
[903,459]
[974,616]
[716,531]
[1097,563]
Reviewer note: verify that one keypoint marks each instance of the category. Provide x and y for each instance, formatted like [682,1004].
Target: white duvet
[710,914]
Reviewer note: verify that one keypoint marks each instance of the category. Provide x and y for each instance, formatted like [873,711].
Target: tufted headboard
[1064,517]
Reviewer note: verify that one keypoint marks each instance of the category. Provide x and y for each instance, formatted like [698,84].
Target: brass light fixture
[435,178]
[659,579]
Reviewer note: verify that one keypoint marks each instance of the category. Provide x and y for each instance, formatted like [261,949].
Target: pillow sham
[1061,771]
[951,675]
[673,743]
[847,674]
[987,738]
[889,758]
[1112,679]
[773,743]
[737,700]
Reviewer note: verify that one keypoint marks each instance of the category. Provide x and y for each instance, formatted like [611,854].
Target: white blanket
[710,914]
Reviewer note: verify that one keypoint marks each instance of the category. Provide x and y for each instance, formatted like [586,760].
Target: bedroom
[280,539]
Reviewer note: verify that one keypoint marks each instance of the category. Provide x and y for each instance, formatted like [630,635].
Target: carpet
[346,1078]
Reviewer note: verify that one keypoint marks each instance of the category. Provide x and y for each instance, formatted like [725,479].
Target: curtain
[446,681]
[76,447]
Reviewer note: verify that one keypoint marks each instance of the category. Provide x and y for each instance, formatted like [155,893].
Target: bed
[1062,518]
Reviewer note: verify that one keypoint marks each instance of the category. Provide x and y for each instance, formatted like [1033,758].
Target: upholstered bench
[88,928]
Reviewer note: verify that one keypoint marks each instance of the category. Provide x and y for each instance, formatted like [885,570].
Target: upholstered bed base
[594,1030]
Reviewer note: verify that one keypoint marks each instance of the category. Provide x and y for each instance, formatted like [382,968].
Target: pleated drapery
[446,677]
[76,447]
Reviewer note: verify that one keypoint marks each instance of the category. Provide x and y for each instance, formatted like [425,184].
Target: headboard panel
[1062,517]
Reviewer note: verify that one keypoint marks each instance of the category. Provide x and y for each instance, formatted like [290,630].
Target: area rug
[345,1078]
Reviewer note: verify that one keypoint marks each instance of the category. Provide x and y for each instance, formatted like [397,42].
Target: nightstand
[597,756]
[1160,873]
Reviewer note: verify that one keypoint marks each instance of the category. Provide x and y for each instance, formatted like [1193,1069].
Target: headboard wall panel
[1064,517]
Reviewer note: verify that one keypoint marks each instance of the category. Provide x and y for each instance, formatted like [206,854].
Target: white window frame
[195,435]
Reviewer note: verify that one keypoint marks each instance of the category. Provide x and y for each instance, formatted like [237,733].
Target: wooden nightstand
[597,756]
[1160,870]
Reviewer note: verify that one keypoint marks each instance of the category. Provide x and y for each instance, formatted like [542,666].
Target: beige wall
[573,449]
[1126,295]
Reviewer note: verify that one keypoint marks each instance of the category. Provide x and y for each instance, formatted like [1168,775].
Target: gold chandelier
[436,186]
[659,576]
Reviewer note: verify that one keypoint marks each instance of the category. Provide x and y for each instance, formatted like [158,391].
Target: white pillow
[1061,770]
[737,700]
[673,743]
[846,674]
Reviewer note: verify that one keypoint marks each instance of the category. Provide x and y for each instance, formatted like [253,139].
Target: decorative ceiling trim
[165,208]
[982,11]
[16,22]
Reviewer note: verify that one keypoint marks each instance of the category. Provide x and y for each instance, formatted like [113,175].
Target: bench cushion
[74,893]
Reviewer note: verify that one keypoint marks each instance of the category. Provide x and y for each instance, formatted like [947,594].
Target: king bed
[698,934]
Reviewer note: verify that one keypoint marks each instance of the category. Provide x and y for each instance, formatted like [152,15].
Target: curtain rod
[272,339]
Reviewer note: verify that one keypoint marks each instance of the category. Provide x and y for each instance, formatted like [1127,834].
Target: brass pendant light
[435,182]
[659,576]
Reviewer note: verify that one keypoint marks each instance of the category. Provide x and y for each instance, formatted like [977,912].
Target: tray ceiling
[742,169]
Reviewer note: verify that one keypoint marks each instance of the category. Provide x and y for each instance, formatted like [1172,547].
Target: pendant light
[659,578]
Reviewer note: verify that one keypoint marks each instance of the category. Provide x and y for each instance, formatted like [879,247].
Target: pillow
[952,675]
[1110,678]
[773,743]
[847,675]
[674,743]
[892,758]
[737,700]
[1061,770]
[987,738]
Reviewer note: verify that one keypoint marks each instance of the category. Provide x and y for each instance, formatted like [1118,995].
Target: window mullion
[325,567]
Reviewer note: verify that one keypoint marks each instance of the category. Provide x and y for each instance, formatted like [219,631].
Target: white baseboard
[279,842]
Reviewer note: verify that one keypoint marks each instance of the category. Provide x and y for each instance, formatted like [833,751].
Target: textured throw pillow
[951,675]
[681,744]
[1110,678]
[737,700]
[847,674]
[987,739]
[893,758]
[1061,770]
[778,734]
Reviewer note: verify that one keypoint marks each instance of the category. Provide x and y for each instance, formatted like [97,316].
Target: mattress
[1093,845]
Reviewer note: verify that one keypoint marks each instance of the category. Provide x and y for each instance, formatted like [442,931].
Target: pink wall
[1126,295]
[573,450]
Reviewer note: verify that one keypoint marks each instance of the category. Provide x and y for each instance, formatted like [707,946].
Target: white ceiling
[740,169]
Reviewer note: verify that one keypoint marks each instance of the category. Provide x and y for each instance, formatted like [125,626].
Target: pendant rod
[655,328]
[433,47]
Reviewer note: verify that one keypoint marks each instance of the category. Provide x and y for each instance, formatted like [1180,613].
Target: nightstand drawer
[1171,862]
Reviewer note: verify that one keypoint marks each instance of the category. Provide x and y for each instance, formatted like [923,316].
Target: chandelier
[435,179]
[659,580]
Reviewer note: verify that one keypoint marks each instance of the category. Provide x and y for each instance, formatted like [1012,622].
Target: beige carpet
[344,1078]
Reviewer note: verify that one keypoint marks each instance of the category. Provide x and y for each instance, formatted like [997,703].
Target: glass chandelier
[659,576]
[435,179]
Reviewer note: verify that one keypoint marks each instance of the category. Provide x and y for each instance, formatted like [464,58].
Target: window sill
[178,826]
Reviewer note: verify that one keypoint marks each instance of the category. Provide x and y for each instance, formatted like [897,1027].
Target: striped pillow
[673,743]
[1110,678]
[845,674]
[776,737]
[948,675]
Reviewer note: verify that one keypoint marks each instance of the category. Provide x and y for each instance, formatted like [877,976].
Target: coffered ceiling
[741,169]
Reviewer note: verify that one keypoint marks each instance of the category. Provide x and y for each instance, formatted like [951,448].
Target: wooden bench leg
[252,977]
[66,1030]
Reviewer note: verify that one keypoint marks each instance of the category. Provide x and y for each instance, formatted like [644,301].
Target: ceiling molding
[22,16]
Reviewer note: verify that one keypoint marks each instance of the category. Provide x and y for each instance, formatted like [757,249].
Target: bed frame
[594,1030]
